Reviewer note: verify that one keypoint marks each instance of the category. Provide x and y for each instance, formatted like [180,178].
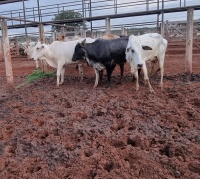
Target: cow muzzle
[139,65]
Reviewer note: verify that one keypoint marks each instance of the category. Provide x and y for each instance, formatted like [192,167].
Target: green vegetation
[68,15]
[37,74]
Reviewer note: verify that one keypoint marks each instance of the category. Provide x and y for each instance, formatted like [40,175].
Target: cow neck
[87,47]
[49,53]
[96,65]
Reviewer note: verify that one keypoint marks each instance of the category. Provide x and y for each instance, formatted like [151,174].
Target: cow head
[29,49]
[79,52]
[134,52]
[39,51]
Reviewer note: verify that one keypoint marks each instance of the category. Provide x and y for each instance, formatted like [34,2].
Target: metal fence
[92,8]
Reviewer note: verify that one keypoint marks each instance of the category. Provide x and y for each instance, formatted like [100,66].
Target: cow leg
[37,64]
[109,70]
[101,75]
[80,69]
[97,77]
[45,65]
[58,74]
[62,75]
[137,80]
[122,70]
[146,78]
[161,65]
[112,67]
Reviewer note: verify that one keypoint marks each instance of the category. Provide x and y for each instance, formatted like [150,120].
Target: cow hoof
[152,91]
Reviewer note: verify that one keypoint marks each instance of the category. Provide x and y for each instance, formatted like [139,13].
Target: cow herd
[104,54]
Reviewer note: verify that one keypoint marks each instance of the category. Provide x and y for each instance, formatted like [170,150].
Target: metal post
[107,25]
[34,13]
[27,41]
[11,17]
[115,6]
[147,5]
[91,16]
[7,56]
[189,41]
[84,25]
[167,30]
[162,23]
[158,14]
[38,4]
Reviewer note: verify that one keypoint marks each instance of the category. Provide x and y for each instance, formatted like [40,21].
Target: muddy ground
[77,132]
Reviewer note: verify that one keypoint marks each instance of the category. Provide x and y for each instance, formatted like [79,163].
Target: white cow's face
[38,51]
[29,50]
[133,56]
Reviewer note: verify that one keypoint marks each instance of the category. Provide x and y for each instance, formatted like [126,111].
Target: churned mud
[77,132]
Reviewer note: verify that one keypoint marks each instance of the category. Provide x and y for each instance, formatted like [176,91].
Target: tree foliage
[68,15]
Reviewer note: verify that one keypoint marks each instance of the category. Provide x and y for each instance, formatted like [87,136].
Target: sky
[101,8]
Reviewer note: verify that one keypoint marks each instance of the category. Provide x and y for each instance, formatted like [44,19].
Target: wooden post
[41,32]
[189,41]
[53,36]
[42,65]
[162,26]
[76,32]
[17,46]
[7,56]
[122,30]
[125,32]
[62,31]
[107,25]
[84,30]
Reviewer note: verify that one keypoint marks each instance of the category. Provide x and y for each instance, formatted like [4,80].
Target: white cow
[144,48]
[58,54]
[29,51]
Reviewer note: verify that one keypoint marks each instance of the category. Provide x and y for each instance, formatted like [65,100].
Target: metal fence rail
[90,8]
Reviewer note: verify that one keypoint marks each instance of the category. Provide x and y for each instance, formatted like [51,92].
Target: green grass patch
[35,75]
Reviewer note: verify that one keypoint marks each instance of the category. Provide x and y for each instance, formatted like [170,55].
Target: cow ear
[83,42]
[144,47]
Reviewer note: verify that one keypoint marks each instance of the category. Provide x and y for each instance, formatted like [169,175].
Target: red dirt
[78,132]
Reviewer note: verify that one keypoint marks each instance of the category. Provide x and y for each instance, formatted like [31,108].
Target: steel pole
[25,23]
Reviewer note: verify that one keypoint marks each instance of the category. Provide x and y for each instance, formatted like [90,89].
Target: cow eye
[37,48]
[132,50]
[127,49]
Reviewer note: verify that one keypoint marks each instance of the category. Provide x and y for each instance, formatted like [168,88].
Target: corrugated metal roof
[9,1]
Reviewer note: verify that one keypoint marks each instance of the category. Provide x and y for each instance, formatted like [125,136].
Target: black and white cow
[103,52]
